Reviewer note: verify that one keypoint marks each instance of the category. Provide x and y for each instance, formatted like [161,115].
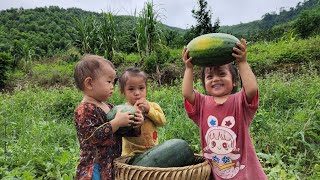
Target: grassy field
[38,138]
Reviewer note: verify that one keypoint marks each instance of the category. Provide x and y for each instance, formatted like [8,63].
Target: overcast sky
[175,13]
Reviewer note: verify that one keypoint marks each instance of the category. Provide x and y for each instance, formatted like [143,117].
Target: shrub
[65,103]
[48,75]
[5,59]
[308,24]
[118,58]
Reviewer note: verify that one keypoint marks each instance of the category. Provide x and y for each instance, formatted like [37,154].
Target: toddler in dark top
[99,141]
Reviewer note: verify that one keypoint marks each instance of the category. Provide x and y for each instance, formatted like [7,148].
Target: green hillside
[270,19]
[49,30]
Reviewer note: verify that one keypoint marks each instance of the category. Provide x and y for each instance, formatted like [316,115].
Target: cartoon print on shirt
[221,141]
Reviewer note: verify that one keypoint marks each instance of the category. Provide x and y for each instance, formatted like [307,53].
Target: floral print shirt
[98,144]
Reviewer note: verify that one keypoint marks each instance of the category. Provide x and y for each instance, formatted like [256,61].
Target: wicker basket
[199,170]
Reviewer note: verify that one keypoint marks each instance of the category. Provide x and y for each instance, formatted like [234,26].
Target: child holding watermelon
[99,141]
[133,85]
[224,118]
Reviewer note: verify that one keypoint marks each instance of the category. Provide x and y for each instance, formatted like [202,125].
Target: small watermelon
[123,108]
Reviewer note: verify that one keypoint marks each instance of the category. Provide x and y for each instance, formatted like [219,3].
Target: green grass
[36,143]
[268,55]
[287,126]
[38,138]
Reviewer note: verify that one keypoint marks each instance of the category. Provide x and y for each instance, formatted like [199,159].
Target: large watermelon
[123,108]
[171,153]
[212,49]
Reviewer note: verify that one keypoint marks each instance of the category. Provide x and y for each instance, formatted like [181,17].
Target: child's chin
[215,94]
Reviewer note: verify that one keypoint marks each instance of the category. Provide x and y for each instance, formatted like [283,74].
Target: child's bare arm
[187,83]
[249,81]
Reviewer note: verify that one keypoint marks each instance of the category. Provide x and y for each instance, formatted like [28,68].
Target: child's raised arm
[187,82]
[249,81]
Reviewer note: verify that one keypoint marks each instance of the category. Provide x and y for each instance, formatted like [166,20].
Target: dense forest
[40,33]
[44,31]
[48,30]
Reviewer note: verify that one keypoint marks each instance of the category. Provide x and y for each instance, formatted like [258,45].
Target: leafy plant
[148,33]
[108,35]
[85,37]
[5,60]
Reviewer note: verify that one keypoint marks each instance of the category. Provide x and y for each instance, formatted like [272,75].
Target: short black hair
[233,70]
[131,72]
[88,66]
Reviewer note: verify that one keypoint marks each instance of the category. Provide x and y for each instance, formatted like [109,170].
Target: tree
[204,24]
[203,17]
[308,24]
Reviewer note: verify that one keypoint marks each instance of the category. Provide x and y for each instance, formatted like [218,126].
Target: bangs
[215,69]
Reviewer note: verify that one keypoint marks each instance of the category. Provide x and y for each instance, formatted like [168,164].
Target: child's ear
[235,87]
[235,84]
[87,83]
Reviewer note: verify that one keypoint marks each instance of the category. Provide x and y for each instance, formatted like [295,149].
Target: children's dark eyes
[113,82]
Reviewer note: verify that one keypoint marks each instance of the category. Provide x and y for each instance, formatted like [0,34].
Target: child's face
[218,81]
[103,85]
[135,89]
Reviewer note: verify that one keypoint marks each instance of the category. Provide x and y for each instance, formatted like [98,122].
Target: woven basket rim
[133,167]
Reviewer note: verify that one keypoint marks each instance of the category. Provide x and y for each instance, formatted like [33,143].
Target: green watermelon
[171,153]
[123,108]
[212,49]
